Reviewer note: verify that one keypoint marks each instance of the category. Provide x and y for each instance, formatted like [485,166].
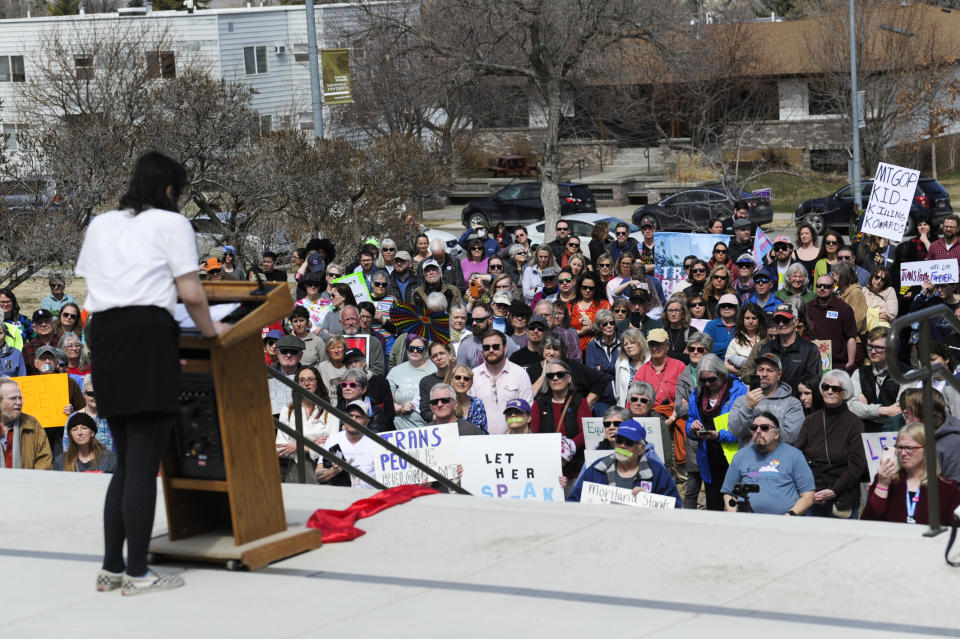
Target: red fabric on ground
[337,525]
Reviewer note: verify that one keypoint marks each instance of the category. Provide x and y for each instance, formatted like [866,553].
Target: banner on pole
[335,74]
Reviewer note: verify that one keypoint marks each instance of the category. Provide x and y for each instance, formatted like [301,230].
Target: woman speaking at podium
[136,261]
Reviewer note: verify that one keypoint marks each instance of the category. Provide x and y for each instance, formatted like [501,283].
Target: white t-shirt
[132,260]
[360,455]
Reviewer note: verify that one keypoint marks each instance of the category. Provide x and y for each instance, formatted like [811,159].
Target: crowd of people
[760,370]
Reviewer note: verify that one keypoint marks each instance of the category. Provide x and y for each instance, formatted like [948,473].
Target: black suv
[519,203]
[692,209]
[835,210]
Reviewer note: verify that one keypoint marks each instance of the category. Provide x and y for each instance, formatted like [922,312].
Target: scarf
[710,413]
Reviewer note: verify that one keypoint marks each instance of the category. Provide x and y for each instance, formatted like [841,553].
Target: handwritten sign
[600,494]
[888,210]
[593,432]
[512,466]
[436,446]
[358,285]
[936,271]
[825,348]
[44,397]
[873,445]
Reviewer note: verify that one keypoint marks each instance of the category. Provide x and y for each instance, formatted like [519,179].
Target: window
[306,120]
[84,66]
[11,68]
[255,59]
[301,53]
[161,64]
[10,133]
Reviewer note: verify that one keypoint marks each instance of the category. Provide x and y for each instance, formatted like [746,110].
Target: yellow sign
[335,75]
[44,397]
[720,422]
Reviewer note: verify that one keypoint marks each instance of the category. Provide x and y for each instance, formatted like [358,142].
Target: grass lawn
[790,189]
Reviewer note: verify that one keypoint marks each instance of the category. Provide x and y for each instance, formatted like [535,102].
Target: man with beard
[829,317]
[433,283]
[23,442]
[470,352]
[558,244]
[401,282]
[741,239]
[947,247]
[629,467]
[771,396]
[497,381]
[529,354]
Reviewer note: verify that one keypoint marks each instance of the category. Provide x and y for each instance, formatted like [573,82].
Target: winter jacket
[651,472]
[782,404]
[800,359]
[34,445]
[602,357]
[685,385]
[734,392]
[832,443]
[948,448]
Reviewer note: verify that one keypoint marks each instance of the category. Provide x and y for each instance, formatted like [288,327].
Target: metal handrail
[299,393]
[924,373]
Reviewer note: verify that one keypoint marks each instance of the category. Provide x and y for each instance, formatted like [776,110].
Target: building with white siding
[264,47]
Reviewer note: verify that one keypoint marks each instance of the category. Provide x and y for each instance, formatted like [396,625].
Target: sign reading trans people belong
[888,211]
[936,271]
[436,446]
[512,466]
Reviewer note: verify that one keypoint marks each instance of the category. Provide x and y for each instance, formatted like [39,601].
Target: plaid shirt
[30,349]
[939,251]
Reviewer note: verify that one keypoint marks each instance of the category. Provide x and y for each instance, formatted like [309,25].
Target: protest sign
[592,493]
[937,271]
[765,193]
[888,210]
[591,456]
[592,432]
[670,248]
[512,466]
[358,285]
[873,445]
[825,348]
[360,342]
[436,446]
[44,397]
[654,436]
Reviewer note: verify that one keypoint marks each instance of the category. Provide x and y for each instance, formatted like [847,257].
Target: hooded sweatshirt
[948,448]
[782,404]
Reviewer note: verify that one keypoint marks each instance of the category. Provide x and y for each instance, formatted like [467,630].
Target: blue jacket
[737,388]
[662,482]
[720,335]
[490,244]
[604,359]
[770,305]
[11,362]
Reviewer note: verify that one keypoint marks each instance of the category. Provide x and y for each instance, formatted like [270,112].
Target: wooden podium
[238,520]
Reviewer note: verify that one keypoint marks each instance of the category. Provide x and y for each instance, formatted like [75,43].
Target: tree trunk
[933,158]
[550,161]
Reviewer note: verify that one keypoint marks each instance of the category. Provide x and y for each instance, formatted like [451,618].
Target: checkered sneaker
[152,582]
[107,581]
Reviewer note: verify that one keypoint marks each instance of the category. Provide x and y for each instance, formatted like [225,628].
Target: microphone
[262,288]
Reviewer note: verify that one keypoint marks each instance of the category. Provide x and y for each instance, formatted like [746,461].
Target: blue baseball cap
[274,333]
[229,249]
[517,404]
[632,430]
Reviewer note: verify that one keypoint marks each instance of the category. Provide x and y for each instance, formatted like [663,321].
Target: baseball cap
[746,258]
[658,335]
[550,271]
[315,264]
[353,353]
[229,249]
[402,255]
[648,221]
[502,298]
[47,350]
[770,358]
[741,222]
[728,298]
[632,430]
[42,314]
[428,263]
[358,405]
[517,404]
[274,333]
[784,310]
[782,239]
[537,319]
[290,341]
[212,264]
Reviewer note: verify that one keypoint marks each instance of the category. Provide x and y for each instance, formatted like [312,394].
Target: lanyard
[912,505]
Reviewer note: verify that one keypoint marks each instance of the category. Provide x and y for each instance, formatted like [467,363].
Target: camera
[741,496]
[335,450]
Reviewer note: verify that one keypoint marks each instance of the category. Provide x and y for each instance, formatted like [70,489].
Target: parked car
[692,209]
[26,195]
[210,235]
[581,225]
[836,210]
[519,203]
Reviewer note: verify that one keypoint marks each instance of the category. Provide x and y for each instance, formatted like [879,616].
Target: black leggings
[718,471]
[132,495]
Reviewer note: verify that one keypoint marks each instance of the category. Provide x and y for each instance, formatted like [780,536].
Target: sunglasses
[761,280]
[491,347]
[696,349]
[563,228]
[621,233]
[415,349]
[288,351]
[696,304]
[476,248]
[89,394]
[557,375]
[463,378]
[780,247]
[845,258]
[607,323]
[388,250]
[349,384]
[565,280]
[537,328]
[624,441]
[831,388]
[69,315]
[612,423]
[721,251]
[480,320]
[819,285]
[607,265]
[621,311]
[721,277]
[640,400]
[574,244]
[380,284]
[329,274]
[441,400]
[495,267]
[727,307]
[698,270]
[762,427]
[587,287]
[270,342]
[831,242]
[709,380]
[782,320]
[687,266]
[743,265]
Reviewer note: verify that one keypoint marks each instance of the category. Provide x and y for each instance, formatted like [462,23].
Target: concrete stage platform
[452,566]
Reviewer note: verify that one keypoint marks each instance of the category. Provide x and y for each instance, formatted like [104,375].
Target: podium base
[219,547]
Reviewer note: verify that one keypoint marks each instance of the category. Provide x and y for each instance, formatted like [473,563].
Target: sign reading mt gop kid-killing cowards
[512,466]
[436,446]
[888,211]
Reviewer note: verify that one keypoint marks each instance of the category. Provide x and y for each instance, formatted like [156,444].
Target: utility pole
[315,92]
[855,111]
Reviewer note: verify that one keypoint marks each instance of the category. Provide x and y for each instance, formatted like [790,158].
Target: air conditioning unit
[280,49]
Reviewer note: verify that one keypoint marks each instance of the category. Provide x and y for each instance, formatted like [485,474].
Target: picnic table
[508,165]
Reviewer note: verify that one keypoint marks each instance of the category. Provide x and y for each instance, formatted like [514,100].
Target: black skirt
[135,361]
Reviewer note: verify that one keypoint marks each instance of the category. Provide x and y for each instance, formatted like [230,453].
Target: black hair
[739,205]
[15,311]
[811,382]
[152,174]
[300,311]
[770,416]
[368,307]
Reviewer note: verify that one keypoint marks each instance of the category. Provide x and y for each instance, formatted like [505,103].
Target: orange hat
[212,264]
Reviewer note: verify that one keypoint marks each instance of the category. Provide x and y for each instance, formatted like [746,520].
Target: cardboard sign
[44,397]
[601,494]
[591,456]
[592,432]
[513,466]
[888,210]
[936,271]
[825,348]
[358,285]
[436,446]
[873,445]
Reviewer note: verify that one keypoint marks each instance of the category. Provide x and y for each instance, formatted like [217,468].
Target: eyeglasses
[674,310]
[709,380]
[606,265]
[607,323]
[687,266]
[307,380]
[721,277]
[831,388]
[56,286]
[491,347]
[415,349]
[557,375]
[696,349]
[819,285]
[349,384]
[441,400]
[288,351]
[495,267]
[73,345]
[380,284]
[612,423]
[621,311]
[463,378]
[907,449]
[640,399]
[68,315]
[565,280]
[762,427]
[624,441]
[877,347]
[698,270]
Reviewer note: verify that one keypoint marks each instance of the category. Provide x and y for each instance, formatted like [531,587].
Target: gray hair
[559,362]
[711,362]
[554,341]
[844,274]
[797,267]
[700,339]
[616,411]
[456,306]
[388,243]
[644,389]
[87,383]
[603,315]
[443,387]
[355,375]
[841,378]
[437,246]
[336,266]
[436,302]
[4,381]
[515,249]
